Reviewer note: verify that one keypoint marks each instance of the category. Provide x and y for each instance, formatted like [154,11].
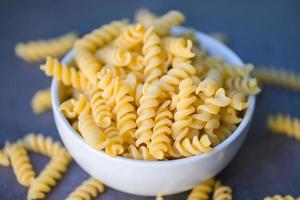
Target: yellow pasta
[202,191]
[67,75]
[146,113]
[81,106]
[165,23]
[224,131]
[280,197]
[38,50]
[114,56]
[49,176]
[101,112]
[180,71]
[92,134]
[4,161]
[87,190]
[244,85]
[238,100]
[114,142]
[67,109]
[138,153]
[145,17]
[131,37]
[160,139]
[279,77]
[222,192]
[230,115]
[39,143]
[41,101]
[152,55]
[159,197]
[179,47]
[88,64]
[21,164]
[211,83]
[285,124]
[101,36]
[136,63]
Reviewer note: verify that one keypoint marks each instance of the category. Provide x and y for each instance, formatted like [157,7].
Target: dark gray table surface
[261,32]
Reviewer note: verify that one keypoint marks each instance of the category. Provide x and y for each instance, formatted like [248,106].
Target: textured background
[261,32]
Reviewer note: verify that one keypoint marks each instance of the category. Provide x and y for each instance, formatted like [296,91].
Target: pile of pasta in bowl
[140,92]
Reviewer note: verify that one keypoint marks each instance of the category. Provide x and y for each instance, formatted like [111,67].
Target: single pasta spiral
[280,197]
[152,55]
[101,36]
[114,141]
[38,143]
[244,85]
[146,113]
[222,192]
[68,75]
[160,140]
[91,133]
[88,64]
[38,50]
[140,153]
[100,111]
[165,23]
[131,37]
[184,110]
[179,47]
[49,177]
[41,101]
[211,83]
[278,77]
[87,190]
[285,124]
[202,191]
[238,100]
[21,164]
[125,111]
[114,56]
[180,71]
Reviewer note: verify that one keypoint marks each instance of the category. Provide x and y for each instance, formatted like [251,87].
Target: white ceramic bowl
[149,178]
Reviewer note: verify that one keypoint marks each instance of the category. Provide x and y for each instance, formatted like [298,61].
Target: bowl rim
[246,119]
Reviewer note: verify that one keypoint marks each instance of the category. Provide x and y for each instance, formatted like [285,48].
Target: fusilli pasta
[222,192]
[202,191]
[4,161]
[179,47]
[41,101]
[280,197]
[114,56]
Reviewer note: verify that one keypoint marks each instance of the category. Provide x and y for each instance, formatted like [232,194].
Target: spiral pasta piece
[88,64]
[196,146]
[222,192]
[145,17]
[211,83]
[284,124]
[101,36]
[230,115]
[160,140]
[21,164]
[202,191]
[81,106]
[90,132]
[4,161]
[38,143]
[280,197]
[131,37]
[114,56]
[165,23]
[49,177]
[138,153]
[114,141]
[238,100]
[159,197]
[34,51]
[67,75]
[245,85]
[279,77]
[87,190]
[136,63]
[152,55]
[179,47]
[224,131]
[41,101]
[146,113]
[181,70]
[184,110]
[67,109]
[100,111]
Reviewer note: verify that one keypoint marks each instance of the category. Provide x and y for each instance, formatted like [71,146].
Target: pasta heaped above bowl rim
[228,56]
